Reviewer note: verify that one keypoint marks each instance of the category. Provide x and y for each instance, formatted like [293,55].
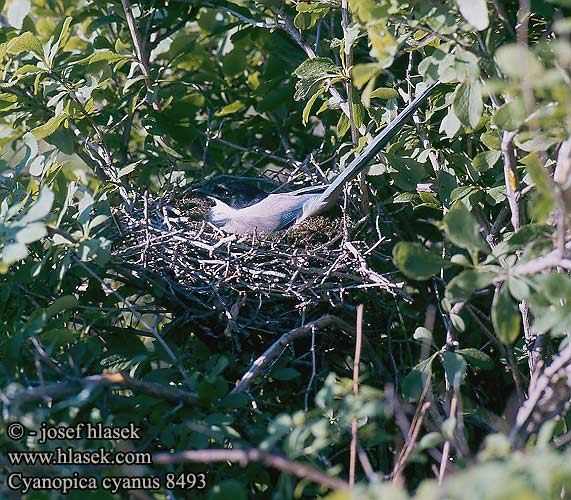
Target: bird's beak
[202,191]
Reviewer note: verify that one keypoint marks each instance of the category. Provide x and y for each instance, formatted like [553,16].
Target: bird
[237,210]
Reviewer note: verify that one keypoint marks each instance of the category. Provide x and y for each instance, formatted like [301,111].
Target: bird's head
[236,194]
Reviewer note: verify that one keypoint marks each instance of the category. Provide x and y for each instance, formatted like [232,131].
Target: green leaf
[485,160]
[509,116]
[305,20]
[343,125]
[64,140]
[450,125]
[466,65]
[106,55]
[226,490]
[61,304]
[26,42]
[491,140]
[454,368]
[285,374]
[413,384]
[321,67]
[556,287]
[406,172]
[368,10]
[415,381]
[362,73]
[463,229]
[535,141]
[312,7]
[62,37]
[461,287]
[475,12]
[416,262]
[128,168]
[41,208]
[542,203]
[506,317]
[31,151]
[49,127]
[430,440]
[448,427]
[358,110]
[517,61]
[28,69]
[309,105]
[311,74]
[384,93]
[32,232]
[230,109]
[12,253]
[477,358]
[17,11]
[519,288]
[422,334]
[468,105]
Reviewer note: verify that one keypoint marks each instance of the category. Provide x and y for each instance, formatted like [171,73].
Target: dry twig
[245,456]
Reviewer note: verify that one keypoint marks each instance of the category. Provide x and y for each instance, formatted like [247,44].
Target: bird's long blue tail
[378,143]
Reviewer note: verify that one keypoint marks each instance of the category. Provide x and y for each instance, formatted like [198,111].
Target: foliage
[472,200]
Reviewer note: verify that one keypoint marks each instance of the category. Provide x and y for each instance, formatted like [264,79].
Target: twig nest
[225,274]
[195,208]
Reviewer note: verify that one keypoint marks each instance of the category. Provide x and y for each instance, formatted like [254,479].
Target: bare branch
[511,179]
[277,347]
[105,380]
[354,423]
[245,456]
[549,397]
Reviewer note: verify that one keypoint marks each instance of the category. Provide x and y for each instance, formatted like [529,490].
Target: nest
[227,282]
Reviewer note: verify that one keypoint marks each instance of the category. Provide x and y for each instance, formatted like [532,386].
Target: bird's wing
[309,190]
[289,217]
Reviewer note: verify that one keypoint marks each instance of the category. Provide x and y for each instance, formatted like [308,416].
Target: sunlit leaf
[49,127]
[485,160]
[475,12]
[468,105]
[41,207]
[17,11]
[26,42]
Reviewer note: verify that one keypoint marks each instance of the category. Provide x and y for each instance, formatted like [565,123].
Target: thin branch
[411,440]
[446,447]
[105,380]
[248,20]
[354,423]
[511,178]
[245,456]
[277,347]
[548,261]
[549,397]
[137,42]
